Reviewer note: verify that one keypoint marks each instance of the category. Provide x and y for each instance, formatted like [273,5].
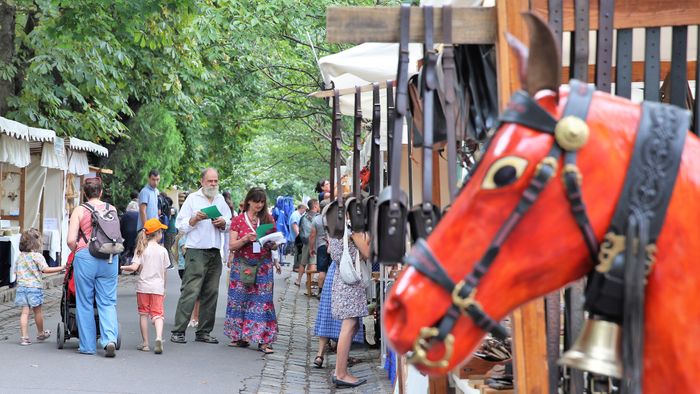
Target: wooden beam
[637,71]
[633,13]
[22,197]
[100,170]
[346,91]
[356,25]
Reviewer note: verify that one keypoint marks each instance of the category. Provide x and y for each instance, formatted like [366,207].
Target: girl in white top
[151,261]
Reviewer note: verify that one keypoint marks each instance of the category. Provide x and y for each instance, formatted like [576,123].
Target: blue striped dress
[325,325]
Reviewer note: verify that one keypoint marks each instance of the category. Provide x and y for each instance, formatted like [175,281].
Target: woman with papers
[250,312]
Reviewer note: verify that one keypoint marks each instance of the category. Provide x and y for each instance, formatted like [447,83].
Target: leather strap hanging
[334,125]
[449,73]
[652,62]
[389,244]
[334,213]
[623,64]
[390,121]
[375,163]
[579,42]
[603,62]
[679,66]
[424,217]
[354,204]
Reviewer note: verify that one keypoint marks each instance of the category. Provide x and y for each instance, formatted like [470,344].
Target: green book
[212,212]
[263,229]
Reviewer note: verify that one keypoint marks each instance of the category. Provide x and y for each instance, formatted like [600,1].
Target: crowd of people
[205,234]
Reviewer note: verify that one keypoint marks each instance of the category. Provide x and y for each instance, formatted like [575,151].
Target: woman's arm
[74,227]
[235,243]
[361,241]
[133,267]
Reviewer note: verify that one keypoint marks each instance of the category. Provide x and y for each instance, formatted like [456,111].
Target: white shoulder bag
[353,272]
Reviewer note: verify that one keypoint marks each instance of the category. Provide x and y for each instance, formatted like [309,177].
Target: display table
[13,240]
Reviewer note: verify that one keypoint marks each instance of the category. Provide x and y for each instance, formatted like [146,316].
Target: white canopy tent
[35,166]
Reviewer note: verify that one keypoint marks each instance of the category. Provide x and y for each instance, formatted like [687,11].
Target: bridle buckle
[464,303]
[422,344]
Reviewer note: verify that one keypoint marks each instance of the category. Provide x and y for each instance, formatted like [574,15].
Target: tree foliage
[178,85]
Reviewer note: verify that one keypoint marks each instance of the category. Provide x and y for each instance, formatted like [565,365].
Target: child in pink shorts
[151,260]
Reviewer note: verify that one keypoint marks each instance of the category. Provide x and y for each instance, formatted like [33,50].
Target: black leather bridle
[570,134]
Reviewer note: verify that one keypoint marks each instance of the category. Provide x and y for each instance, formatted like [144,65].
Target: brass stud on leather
[571,133]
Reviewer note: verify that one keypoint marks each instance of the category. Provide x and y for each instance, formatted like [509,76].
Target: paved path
[193,367]
[290,369]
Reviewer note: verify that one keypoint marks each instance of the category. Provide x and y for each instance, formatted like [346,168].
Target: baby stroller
[68,327]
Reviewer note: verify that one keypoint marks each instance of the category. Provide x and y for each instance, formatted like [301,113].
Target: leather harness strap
[375,169]
[449,73]
[429,81]
[357,135]
[579,42]
[334,131]
[401,105]
[336,144]
[652,62]
[555,19]
[603,63]
[623,64]
[390,121]
[679,66]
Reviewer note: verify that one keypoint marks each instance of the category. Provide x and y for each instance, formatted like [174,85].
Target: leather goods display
[334,213]
[449,77]
[423,217]
[390,115]
[389,242]
[355,211]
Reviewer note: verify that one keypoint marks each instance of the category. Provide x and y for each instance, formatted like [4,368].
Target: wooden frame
[632,13]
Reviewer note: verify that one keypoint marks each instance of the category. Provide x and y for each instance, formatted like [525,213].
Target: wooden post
[528,322]
[22,197]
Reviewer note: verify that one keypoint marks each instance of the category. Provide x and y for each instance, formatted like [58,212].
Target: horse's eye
[503,172]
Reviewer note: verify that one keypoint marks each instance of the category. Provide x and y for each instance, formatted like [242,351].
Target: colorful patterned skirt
[250,311]
[326,326]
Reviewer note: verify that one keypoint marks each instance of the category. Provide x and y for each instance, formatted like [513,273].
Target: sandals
[44,335]
[318,362]
[239,344]
[143,348]
[178,337]
[24,341]
[265,349]
[207,339]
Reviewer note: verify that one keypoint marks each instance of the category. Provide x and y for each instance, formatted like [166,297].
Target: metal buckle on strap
[422,344]
[572,169]
[464,303]
[550,161]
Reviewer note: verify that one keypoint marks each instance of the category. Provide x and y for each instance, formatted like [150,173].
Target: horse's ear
[521,53]
[544,60]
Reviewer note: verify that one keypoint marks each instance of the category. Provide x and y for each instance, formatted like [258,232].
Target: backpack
[106,238]
[305,224]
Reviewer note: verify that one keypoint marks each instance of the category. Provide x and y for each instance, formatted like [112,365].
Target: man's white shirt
[204,235]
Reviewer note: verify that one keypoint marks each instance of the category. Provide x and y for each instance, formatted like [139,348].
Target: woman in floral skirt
[250,311]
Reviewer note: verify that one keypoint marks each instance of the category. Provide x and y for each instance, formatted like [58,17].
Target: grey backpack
[106,238]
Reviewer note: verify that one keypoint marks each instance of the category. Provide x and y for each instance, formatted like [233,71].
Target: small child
[30,286]
[151,260]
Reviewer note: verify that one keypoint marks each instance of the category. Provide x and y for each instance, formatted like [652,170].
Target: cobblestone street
[290,368]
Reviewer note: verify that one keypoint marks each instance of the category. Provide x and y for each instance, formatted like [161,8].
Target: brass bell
[596,350]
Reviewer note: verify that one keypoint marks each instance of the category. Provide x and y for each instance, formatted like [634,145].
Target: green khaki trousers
[199,282]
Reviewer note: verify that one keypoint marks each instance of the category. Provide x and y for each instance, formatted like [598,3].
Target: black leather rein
[570,134]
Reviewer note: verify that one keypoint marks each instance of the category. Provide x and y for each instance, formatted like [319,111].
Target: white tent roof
[362,65]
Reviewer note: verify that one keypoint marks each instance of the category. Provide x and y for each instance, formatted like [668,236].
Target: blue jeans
[96,280]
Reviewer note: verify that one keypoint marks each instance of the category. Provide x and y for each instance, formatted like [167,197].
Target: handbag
[353,272]
[248,271]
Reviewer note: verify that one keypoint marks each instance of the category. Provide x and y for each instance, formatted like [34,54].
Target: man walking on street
[305,226]
[148,199]
[293,237]
[203,258]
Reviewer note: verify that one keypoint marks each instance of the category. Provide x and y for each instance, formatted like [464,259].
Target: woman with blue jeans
[95,279]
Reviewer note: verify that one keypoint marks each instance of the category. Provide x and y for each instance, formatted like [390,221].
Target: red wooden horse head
[546,250]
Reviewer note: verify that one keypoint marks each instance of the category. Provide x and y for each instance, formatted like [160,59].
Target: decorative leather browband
[647,191]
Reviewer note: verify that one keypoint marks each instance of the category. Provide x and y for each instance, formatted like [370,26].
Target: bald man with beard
[203,258]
